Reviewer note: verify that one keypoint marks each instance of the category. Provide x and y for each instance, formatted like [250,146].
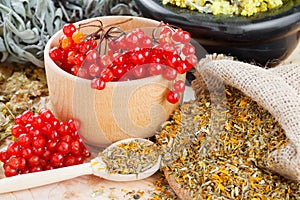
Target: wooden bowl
[122,110]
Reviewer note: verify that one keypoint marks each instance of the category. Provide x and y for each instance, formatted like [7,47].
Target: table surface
[90,187]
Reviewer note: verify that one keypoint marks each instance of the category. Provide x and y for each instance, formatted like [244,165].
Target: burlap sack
[276,89]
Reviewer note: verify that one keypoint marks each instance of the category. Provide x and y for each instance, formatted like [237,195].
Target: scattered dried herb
[216,153]
[162,191]
[21,88]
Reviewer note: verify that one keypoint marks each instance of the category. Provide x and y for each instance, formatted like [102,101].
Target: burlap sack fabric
[276,89]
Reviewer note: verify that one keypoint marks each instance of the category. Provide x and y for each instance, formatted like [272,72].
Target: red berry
[69,160]
[181,36]
[76,147]
[79,159]
[13,149]
[78,37]
[64,128]
[107,75]
[17,163]
[191,60]
[67,43]
[94,70]
[38,141]
[188,49]
[156,59]
[9,171]
[172,60]
[34,160]
[86,153]
[165,35]
[37,168]
[118,71]
[78,59]
[112,45]
[53,136]
[131,39]
[69,29]
[66,138]
[183,66]
[104,61]
[38,150]
[120,60]
[3,156]
[74,124]
[18,120]
[24,140]
[63,147]
[37,122]
[169,73]
[46,114]
[18,129]
[146,42]
[55,122]
[26,117]
[166,30]
[27,152]
[138,57]
[173,97]
[121,42]
[139,71]
[47,129]
[87,45]
[98,83]
[57,159]
[92,56]
[52,145]
[33,132]
[46,155]
[55,54]
[83,72]
[179,86]
[155,69]
[169,47]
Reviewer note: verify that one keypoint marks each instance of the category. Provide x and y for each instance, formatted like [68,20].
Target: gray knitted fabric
[276,89]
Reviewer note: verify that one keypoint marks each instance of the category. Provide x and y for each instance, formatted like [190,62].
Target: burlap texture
[276,89]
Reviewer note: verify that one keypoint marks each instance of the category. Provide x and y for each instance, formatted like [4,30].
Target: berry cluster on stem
[114,55]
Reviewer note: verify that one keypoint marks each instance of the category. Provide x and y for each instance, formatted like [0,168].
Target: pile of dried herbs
[217,150]
[21,88]
[232,7]
[26,26]
[133,157]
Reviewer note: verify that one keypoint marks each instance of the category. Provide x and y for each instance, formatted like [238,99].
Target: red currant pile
[41,142]
[128,56]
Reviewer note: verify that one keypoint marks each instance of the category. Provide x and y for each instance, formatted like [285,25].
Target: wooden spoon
[96,167]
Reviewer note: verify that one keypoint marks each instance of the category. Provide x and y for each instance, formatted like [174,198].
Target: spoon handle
[35,179]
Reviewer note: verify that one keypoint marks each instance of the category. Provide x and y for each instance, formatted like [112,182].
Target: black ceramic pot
[266,38]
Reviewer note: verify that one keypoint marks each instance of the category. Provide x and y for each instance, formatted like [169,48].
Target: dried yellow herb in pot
[226,7]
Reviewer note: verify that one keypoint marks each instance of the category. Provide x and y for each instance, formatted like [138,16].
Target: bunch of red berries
[42,142]
[128,56]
